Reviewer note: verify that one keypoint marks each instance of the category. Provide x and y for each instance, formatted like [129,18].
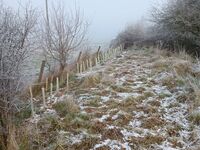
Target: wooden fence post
[79,62]
[96,61]
[51,88]
[87,64]
[32,106]
[43,96]
[123,47]
[98,51]
[67,81]
[46,84]
[90,63]
[77,67]
[100,57]
[41,71]
[84,66]
[79,56]
[81,68]
[57,84]
[111,52]
[105,56]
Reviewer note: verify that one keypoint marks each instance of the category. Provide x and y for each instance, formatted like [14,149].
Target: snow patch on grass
[126,95]
[105,98]
[113,145]
[103,118]
[161,90]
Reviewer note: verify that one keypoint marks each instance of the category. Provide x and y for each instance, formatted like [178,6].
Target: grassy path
[134,101]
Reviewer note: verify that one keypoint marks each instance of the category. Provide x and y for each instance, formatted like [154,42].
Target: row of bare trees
[59,35]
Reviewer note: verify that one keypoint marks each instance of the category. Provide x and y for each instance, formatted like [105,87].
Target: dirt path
[131,102]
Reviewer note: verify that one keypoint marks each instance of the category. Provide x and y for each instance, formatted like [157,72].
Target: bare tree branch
[15,44]
[65,33]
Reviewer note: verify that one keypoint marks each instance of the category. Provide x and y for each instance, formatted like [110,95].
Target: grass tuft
[152,122]
[195,117]
[65,107]
[91,81]
[95,102]
[121,88]
[183,67]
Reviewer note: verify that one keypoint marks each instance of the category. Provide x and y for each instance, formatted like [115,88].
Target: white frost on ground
[135,123]
[103,118]
[127,134]
[35,119]
[163,75]
[50,111]
[139,114]
[113,144]
[166,146]
[105,98]
[137,76]
[115,117]
[161,90]
[121,80]
[126,95]
[70,138]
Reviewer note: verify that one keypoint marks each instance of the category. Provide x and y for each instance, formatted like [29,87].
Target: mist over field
[99,75]
[106,17]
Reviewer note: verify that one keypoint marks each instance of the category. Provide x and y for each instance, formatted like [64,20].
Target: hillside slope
[134,101]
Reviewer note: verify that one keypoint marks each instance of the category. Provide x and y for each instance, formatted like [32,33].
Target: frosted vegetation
[144,93]
[135,101]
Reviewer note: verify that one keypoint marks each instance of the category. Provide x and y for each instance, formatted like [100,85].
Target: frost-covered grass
[66,106]
[135,101]
[195,117]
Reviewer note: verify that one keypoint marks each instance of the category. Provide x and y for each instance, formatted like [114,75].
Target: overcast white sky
[107,17]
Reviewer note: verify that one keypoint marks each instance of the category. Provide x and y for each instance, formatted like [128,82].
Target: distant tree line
[130,35]
[176,26]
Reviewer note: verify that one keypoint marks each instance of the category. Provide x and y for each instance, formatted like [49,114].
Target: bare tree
[62,34]
[15,45]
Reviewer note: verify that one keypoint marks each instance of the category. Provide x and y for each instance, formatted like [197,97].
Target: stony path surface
[131,102]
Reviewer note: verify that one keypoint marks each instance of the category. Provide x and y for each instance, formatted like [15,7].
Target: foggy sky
[106,17]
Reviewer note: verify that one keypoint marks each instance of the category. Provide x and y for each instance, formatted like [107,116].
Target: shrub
[176,28]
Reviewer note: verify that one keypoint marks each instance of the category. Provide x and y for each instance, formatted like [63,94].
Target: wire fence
[51,84]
